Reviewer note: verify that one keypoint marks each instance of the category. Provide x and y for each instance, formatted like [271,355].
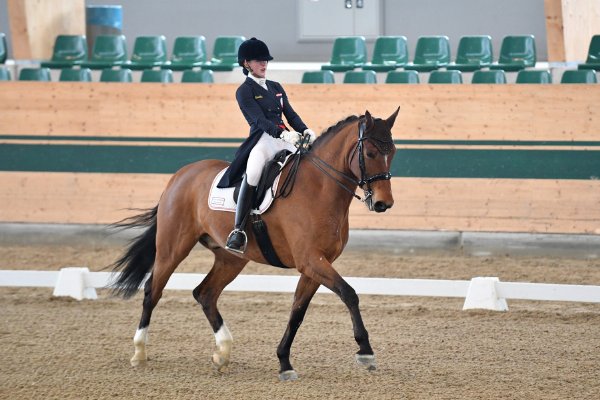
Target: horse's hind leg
[170,251]
[304,293]
[224,270]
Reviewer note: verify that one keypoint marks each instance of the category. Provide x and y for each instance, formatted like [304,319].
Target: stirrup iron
[242,248]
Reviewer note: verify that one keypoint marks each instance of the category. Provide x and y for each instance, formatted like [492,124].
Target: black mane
[381,138]
[337,127]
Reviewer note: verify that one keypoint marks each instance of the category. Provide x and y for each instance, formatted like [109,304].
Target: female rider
[262,102]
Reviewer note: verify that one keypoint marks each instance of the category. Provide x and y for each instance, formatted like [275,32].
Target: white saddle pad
[222,199]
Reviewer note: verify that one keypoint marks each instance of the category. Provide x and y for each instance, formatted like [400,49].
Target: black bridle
[329,170]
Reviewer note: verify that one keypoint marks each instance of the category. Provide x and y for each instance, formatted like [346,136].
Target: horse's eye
[371,154]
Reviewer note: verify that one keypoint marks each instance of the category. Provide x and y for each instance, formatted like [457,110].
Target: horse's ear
[390,121]
[369,120]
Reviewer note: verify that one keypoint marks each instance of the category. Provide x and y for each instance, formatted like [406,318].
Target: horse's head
[376,151]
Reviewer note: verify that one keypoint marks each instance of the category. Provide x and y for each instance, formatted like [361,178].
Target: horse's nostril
[380,206]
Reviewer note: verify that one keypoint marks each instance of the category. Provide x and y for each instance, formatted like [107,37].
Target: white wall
[458,18]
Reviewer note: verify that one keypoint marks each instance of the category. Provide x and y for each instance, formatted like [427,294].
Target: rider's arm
[290,115]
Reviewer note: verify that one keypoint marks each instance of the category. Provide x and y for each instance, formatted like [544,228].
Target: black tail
[139,257]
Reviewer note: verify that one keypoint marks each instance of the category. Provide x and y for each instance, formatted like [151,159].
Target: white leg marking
[224,342]
[223,335]
[366,361]
[287,376]
[139,342]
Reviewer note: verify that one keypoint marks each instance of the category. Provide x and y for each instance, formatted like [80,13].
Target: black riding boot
[237,239]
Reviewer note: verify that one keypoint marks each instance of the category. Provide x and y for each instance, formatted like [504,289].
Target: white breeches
[265,150]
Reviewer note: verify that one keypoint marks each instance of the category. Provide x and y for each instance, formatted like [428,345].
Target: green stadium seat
[593,57]
[109,51]
[3,48]
[35,74]
[534,76]
[188,52]
[69,50]
[360,77]
[445,77]
[318,77]
[224,53]
[579,76]
[432,52]
[192,76]
[474,52]
[402,77]
[161,75]
[516,53]
[390,52]
[148,52]
[493,77]
[348,52]
[75,75]
[116,75]
[4,74]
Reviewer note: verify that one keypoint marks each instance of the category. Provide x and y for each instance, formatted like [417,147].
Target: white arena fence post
[483,295]
[73,282]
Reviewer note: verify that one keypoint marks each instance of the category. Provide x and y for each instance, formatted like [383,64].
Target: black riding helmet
[253,49]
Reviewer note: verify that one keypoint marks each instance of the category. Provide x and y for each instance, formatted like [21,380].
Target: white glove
[291,137]
[311,134]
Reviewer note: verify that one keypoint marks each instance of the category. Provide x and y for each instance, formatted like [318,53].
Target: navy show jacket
[263,110]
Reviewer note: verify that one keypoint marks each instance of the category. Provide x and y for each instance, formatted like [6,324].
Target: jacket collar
[256,86]
[258,80]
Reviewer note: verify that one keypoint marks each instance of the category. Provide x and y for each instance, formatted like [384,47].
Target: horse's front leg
[304,293]
[322,272]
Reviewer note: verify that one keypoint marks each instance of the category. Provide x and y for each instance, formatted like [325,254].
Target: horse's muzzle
[380,206]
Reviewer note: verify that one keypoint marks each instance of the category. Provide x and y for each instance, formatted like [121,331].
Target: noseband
[364,179]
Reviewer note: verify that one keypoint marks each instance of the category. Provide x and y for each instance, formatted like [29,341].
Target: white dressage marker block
[482,295]
[72,282]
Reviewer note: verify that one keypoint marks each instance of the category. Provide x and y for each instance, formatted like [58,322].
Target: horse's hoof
[135,362]
[289,375]
[220,362]
[367,361]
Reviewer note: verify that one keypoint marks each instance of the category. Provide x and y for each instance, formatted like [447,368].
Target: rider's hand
[310,134]
[291,137]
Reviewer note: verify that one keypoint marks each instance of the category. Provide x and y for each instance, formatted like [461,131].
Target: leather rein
[330,171]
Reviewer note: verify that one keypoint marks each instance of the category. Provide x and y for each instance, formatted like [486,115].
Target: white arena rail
[479,293]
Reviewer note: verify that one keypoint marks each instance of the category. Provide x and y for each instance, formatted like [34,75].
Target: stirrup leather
[240,250]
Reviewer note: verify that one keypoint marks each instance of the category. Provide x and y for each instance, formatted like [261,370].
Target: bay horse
[308,230]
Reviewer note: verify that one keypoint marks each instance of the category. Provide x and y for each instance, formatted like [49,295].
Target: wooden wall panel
[76,197]
[457,112]
[581,20]
[496,205]
[443,112]
[570,24]
[555,34]
[34,25]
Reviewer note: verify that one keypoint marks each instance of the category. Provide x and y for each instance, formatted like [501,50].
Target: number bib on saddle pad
[224,199]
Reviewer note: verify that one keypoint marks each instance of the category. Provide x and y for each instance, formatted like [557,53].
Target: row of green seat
[452,76]
[433,52]
[109,75]
[148,52]
[206,76]
[390,52]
